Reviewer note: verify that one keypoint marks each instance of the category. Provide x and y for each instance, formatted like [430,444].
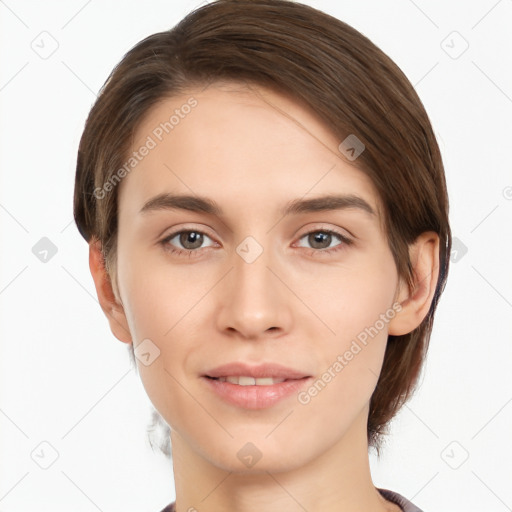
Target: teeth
[250,381]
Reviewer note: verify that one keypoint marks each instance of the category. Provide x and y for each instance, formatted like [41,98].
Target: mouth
[247,392]
[244,380]
[254,375]
[250,386]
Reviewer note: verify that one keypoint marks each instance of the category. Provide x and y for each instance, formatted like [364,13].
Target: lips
[255,387]
[244,380]
[263,371]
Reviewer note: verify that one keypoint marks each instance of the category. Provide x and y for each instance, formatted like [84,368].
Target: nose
[254,302]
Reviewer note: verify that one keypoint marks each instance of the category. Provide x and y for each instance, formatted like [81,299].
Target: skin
[252,150]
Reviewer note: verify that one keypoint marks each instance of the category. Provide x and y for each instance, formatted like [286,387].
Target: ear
[111,306]
[424,255]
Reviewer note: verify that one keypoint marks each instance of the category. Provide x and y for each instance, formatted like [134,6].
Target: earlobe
[415,303]
[112,308]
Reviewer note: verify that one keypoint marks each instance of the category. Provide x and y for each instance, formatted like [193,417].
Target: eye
[322,240]
[190,240]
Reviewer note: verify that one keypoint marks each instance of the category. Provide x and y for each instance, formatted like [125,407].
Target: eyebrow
[193,203]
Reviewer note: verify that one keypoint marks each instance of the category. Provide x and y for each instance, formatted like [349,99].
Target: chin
[258,457]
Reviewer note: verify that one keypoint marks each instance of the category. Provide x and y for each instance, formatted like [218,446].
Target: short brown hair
[323,62]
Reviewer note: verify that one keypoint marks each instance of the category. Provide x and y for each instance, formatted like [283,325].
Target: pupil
[195,239]
[318,238]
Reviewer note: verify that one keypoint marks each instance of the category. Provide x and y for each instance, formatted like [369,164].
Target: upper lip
[273,370]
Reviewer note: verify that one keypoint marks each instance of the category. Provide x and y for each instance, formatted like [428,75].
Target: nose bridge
[253,301]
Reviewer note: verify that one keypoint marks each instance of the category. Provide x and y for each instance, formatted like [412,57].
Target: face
[254,268]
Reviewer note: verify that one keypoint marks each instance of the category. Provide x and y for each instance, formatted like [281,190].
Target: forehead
[231,137]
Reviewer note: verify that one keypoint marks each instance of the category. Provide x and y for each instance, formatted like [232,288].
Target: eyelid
[170,232]
[343,232]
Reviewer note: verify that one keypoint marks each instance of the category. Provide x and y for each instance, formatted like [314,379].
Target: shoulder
[398,499]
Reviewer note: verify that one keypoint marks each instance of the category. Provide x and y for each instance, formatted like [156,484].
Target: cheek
[359,312]
[351,299]
[357,305]
[162,304]
[156,296]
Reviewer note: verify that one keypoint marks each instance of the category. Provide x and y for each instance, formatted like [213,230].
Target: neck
[337,480]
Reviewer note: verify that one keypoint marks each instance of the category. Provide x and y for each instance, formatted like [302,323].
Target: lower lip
[256,397]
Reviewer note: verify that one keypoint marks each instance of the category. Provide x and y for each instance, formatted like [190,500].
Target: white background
[66,381]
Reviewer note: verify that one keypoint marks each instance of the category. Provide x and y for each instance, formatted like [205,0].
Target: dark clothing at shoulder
[398,499]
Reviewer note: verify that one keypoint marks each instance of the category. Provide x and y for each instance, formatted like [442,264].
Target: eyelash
[345,242]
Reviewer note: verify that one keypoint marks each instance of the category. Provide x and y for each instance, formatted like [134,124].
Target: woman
[267,215]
